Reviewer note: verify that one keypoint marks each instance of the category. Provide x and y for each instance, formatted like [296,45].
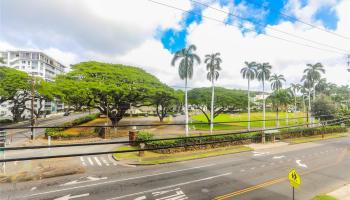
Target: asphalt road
[19,136]
[323,166]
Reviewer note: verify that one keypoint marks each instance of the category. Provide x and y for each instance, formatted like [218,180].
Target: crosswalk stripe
[104,161]
[82,161]
[90,161]
[98,161]
[111,159]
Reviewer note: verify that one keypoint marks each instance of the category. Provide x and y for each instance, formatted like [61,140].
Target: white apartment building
[37,64]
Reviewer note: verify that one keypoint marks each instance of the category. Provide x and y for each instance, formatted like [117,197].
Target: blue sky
[259,12]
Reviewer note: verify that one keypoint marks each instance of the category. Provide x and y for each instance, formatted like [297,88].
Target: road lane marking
[90,161]
[82,161]
[170,186]
[252,168]
[97,161]
[89,179]
[112,160]
[119,180]
[242,170]
[278,157]
[301,164]
[104,161]
[278,180]
[69,196]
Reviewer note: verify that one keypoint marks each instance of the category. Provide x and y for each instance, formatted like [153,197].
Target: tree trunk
[309,108]
[264,105]
[287,122]
[186,108]
[277,118]
[212,106]
[248,104]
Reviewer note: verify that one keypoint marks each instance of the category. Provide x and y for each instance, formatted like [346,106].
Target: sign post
[2,151]
[294,179]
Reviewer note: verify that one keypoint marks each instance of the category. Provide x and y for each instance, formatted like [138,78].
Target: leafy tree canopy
[225,100]
[111,87]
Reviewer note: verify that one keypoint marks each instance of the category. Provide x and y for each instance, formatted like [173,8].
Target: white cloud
[135,23]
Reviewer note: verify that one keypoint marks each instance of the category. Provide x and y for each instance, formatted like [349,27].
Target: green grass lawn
[158,158]
[324,197]
[244,117]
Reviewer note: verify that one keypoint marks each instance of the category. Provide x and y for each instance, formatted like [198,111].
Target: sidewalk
[342,193]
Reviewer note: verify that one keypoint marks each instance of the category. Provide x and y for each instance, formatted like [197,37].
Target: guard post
[2,151]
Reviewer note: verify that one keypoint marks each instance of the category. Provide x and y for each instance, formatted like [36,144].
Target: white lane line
[300,164]
[252,168]
[120,180]
[98,161]
[82,161]
[90,161]
[242,170]
[170,186]
[104,161]
[111,159]
[278,157]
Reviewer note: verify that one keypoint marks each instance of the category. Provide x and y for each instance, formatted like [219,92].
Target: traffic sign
[294,178]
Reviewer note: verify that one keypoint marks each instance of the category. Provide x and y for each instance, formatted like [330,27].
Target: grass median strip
[315,138]
[324,197]
[158,158]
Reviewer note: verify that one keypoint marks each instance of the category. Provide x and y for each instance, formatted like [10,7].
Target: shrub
[5,121]
[144,136]
[59,131]
[299,132]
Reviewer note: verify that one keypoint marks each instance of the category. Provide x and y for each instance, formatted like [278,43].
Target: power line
[271,28]
[186,144]
[272,36]
[306,23]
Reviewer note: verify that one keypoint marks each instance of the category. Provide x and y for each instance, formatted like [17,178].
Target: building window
[23,62]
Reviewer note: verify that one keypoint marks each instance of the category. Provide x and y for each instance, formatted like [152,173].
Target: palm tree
[276,81]
[187,59]
[307,88]
[313,74]
[264,71]
[295,88]
[279,98]
[213,62]
[249,72]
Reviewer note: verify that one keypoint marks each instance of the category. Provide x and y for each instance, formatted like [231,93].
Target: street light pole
[32,120]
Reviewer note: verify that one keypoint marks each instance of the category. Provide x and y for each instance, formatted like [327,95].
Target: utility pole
[32,120]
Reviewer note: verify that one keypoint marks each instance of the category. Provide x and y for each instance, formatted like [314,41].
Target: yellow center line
[278,180]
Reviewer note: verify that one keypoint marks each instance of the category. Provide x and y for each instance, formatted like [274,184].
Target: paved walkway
[342,193]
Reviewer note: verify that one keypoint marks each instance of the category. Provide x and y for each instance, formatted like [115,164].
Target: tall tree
[276,81]
[213,62]
[164,100]
[14,88]
[313,74]
[249,72]
[278,99]
[114,88]
[188,59]
[225,100]
[295,88]
[264,71]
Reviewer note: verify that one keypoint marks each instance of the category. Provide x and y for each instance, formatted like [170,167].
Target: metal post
[293,193]
[32,122]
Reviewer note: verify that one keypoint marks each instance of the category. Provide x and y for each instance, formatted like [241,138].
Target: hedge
[58,132]
[300,132]
[190,143]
